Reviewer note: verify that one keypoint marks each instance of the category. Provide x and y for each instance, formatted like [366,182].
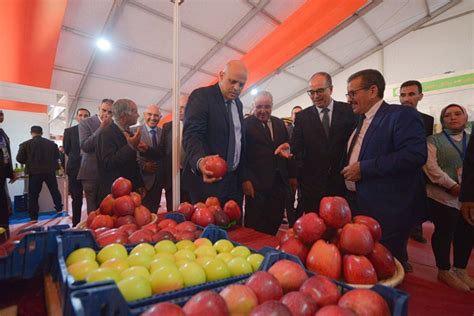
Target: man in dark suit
[411,92]
[6,172]
[41,157]
[89,129]
[117,148]
[319,140]
[72,149]
[467,184]
[213,125]
[266,176]
[385,155]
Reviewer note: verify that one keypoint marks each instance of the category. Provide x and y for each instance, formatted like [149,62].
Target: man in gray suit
[89,129]
[152,170]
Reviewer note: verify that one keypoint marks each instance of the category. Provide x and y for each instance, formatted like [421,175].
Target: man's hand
[150,167]
[134,140]
[284,151]
[207,175]
[455,190]
[248,189]
[352,172]
[293,185]
[467,211]
[106,121]
[13,178]
[141,191]
[142,147]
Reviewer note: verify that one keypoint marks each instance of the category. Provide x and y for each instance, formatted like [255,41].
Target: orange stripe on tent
[21,106]
[29,34]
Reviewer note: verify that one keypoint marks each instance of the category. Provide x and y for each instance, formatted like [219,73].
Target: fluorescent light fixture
[254,91]
[103,44]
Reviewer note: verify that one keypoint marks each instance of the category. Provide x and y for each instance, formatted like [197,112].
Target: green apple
[144,248]
[202,242]
[165,246]
[185,244]
[184,254]
[216,269]
[223,245]
[118,264]
[112,251]
[255,260]
[81,269]
[134,288]
[193,274]
[139,259]
[79,255]
[205,251]
[160,262]
[166,255]
[240,251]
[135,271]
[165,279]
[239,266]
[103,274]
[224,256]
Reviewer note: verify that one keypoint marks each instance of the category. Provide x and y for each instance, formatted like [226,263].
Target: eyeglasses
[317,91]
[263,107]
[354,92]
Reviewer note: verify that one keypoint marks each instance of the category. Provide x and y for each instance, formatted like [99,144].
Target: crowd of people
[383,158]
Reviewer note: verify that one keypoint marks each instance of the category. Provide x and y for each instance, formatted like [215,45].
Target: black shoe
[419,238]
[407,267]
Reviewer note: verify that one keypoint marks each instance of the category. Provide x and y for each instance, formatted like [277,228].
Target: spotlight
[254,91]
[103,44]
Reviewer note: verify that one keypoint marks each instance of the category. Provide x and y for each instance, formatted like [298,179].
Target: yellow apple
[202,242]
[165,279]
[166,255]
[216,269]
[240,251]
[139,259]
[134,288]
[160,262]
[81,269]
[144,248]
[103,274]
[239,266]
[118,264]
[224,256]
[205,251]
[223,245]
[165,246]
[193,274]
[185,244]
[79,255]
[185,254]
[112,251]
[255,260]
[135,271]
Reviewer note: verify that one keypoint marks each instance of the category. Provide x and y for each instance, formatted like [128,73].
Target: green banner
[445,83]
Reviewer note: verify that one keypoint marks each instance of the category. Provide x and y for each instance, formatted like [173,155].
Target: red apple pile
[211,212]
[121,218]
[338,246]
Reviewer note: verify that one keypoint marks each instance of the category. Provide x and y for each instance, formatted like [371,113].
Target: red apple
[232,209]
[169,229]
[371,223]
[365,302]
[151,227]
[142,215]
[184,235]
[290,274]
[102,221]
[271,308]
[199,205]
[167,223]
[107,205]
[216,165]
[335,211]
[356,239]
[162,235]
[115,237]
[331,235]
[203,217]
[186,226]
[324,259]
[300,304]
[321,289]
[141,235]
[239,298]
[124,205]
[214,209]
[383,261]
[265,286]
[334,310]
[124,220]
[121,187]
[186,209]
[358,270]
[137,198]
[213,201]
[220,217]
[309,228]
[165,308]
[91,217]
[289,233]
[100,231]
[128,228]
[206,303]
[295,247]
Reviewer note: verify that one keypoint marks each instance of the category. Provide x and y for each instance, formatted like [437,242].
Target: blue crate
[81,298]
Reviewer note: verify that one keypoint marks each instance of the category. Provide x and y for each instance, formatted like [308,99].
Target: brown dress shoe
[463,276]
[449,278]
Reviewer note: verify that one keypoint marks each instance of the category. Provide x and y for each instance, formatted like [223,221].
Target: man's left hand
[293,185]
[467,211]
[352,172]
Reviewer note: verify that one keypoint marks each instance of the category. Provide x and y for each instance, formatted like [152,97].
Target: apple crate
[104,298]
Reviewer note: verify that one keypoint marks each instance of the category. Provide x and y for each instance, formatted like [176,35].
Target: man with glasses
[318,141]
[383,169]
[88,173]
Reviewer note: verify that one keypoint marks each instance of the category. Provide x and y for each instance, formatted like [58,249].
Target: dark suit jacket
[88,133]
[72,149]
[261,162]
[321,156]
[39,154]
[206,132]
[392,188]
[165,146]
[428,122]
[115,158]
[6,170]
[467,182]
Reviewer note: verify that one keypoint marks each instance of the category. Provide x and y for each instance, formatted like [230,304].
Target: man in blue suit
[385,154]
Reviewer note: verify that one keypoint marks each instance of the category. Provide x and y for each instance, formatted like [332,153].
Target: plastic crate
[104,298]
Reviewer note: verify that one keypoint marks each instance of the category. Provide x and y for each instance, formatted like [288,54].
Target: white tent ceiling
[139,65]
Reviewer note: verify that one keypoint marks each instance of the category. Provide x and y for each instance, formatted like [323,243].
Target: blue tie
[153,138]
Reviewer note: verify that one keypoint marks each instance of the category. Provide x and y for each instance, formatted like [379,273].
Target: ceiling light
[254,91]
[103,44]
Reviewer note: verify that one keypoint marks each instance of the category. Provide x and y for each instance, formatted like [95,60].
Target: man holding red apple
[213,125]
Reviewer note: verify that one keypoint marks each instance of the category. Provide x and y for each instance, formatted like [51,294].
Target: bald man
[213,125]
[152,170]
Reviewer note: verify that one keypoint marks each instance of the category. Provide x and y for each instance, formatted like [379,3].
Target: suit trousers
[35,184]
[76,192]
[91,188]
[152,198]
[264,212]
[4,216]
[450,227]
